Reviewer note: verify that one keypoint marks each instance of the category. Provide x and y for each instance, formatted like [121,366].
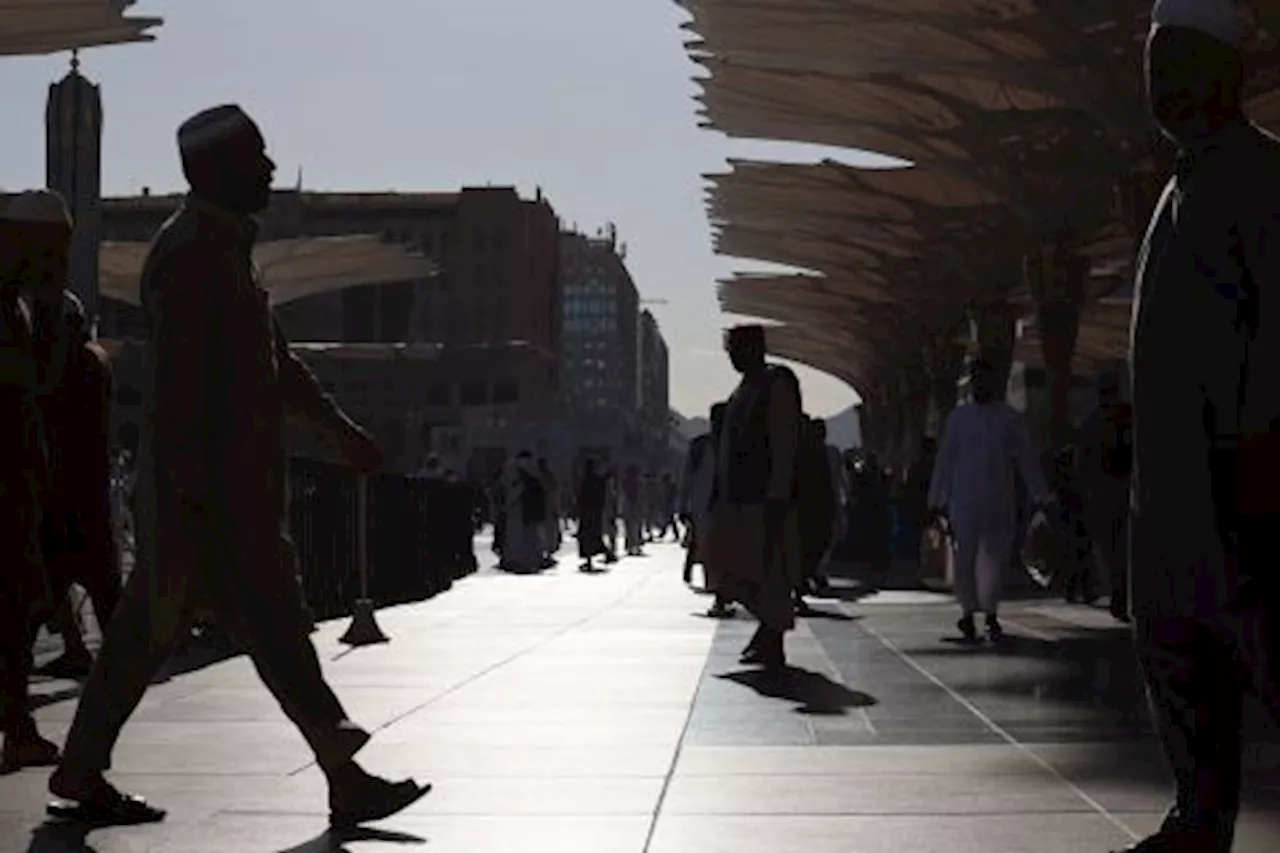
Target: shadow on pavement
[333,841]
[67,837]
[817,694]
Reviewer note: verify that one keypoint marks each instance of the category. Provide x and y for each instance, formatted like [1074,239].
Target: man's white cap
[44,207]
[1229,21]
[208,128]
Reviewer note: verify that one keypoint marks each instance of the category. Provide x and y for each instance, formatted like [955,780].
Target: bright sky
[590,99]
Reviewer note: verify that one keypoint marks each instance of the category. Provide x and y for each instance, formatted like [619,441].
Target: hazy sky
[589,99]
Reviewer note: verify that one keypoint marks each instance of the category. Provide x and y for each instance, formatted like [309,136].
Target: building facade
[655,372]
[492,310]
[599,325]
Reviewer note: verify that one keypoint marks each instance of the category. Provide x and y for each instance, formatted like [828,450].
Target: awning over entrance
[37,27]
[291,269]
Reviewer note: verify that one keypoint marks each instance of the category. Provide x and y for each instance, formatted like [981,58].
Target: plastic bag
[935,555]
[1039,550]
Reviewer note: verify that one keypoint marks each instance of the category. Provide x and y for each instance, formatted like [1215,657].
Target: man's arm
[784,439]
[1258,454]
[940,481]
[179,296]
[1028,461]
[303,396]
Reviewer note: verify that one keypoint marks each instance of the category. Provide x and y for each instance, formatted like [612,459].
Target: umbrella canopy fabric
[290,269]
[39,27]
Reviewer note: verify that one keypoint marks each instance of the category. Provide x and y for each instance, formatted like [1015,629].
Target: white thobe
[984,446]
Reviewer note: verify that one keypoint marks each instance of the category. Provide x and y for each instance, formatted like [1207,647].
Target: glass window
[438,394]
[506,393]
[474,394]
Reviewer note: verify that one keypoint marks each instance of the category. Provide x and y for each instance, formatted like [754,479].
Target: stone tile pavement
[602,714]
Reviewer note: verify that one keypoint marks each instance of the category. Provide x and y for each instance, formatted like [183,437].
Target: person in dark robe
[222,379]
[78,534]
[754,525]
[33,233]
[590,509]
[697,488]
[1106,462]
[612,498]
[816,496]
[1205,371]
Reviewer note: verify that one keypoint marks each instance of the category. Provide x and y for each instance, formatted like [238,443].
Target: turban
[218,124]
[43,207]
[1228,21]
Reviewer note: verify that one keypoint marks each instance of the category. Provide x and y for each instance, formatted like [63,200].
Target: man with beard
[1205,364]
[754,521]
[223,377]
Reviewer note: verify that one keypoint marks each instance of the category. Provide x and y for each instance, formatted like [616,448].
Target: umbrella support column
[363,630]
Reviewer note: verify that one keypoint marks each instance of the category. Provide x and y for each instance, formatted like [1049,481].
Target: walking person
[697,492]
[590,503]
[31,229]
[633,519]
[753,525]
[74,394]
[213,489]
[1106,462]
[1205,368]
[985,447]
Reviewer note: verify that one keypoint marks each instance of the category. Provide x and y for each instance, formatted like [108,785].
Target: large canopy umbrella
[37,27]
[290,269]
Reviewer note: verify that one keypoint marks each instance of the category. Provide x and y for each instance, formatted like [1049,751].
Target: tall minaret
[73,167]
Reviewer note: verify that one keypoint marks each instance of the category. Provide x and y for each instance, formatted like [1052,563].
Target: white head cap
[207,128]
[1228,21]
[44,207]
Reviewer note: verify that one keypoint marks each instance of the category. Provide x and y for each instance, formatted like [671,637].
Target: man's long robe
[985,447]
[756,558]
[1205,366]
[212,490]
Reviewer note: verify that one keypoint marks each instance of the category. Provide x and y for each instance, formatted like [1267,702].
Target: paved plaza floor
[601,714]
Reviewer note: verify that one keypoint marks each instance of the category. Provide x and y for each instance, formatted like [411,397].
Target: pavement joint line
[640,581]
[997,729]
[652,831]
[834,672]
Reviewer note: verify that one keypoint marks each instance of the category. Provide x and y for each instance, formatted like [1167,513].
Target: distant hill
[691,428]
[844,430]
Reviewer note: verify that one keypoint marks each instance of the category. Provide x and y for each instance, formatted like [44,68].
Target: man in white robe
[985,445]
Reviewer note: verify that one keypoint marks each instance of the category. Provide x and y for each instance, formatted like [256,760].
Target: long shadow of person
[71,837]
[815,693]
[60,837]
[334,841]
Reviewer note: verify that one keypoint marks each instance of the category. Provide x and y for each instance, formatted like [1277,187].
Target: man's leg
[1196,699]
[150,618]
[272,629]
[966,583]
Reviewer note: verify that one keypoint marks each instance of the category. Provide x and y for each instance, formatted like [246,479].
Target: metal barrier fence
[402,565]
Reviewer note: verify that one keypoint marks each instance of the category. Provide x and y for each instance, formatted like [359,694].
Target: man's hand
[361,450]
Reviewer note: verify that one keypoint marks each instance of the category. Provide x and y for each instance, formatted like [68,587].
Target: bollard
[363,630]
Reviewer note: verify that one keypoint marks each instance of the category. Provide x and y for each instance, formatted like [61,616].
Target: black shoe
[373,799]
[27,750]
[968,630]
[68,666]
[995,633]
[97,803]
